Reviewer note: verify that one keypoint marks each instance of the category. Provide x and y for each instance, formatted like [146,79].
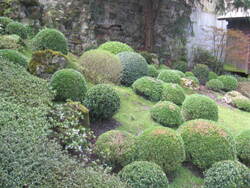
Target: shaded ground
[104,126]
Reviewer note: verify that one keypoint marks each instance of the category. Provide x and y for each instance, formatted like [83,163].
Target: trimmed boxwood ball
[115,47]
[166,113]
[134,67]
[189,74]
[212,75]
[17,28]
[102,101]
[173,93]
[230,83]
[68,84]
[50,39]
[115,147]
[201,71]
[199,107]
[242,104]
[215,85]
[181,74]
[14,56]
[207,143]
[152,71]
[148,87]
[227,174]
[169,76]
[243,147]
[144,174]
[161,145]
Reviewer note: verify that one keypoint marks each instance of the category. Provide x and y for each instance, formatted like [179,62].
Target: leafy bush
[101,66]
[194,79]
[201,72]
[167,114]
[199,107]
[10,42]
[148,87]
[134,67]
[169,76]
[243,147]
[242,104]
[148,56]
[152,71]
[102,101]
[189,74]
[207,143]
[4,21]
[17,28]
[230,83]
[212,75]
[115,47]
[144,174]
[173,93]
[215,85]
[68,84]
[50,39]
[225,174]
[180,65]
[181,74]
[162,146]
[14,57]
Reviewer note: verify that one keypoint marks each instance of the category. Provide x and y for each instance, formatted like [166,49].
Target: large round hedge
[230,83]
[161,145]
[143,174]
[102,101]
[115,47]
[152,71]
[115,147]
[148,87]
[173,93]
[68,84]
[201,71]
[17,29]
[101,66]
[169,76]
[199,107]
[243,147]
[227,174]
[207,143]
[215,85]
[50,39]
[134,67]
[14,56]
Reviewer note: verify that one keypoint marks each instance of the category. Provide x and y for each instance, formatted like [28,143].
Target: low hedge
[14,57]
[242,104]
[152,71]
[215,85]
[17,28]
[230,83]
[169,76]
[243,147]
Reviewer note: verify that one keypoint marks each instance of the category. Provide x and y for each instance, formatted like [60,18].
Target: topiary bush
[101,66]
[17,28]
[242,104]
[14,56]
[102,101]
[161,145]
[212,75]
[50,39]
[215,85]
[227,174]
[180,65]
[148,87]
[201,72]
[199,107]
[243,147]
[68,84]
[230,83]
[134,67]
[143,174]
[189,74]
[167,113]
[169,76]
[115,47]
[207,143]
[152,71]
[173,93]
[4,21]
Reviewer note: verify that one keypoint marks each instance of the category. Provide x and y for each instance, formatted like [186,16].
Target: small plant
[189,74]
[173,93]
[17,28]
[243,147]
[169,76]
[10,42]
[230,83]
[201,72]
[181,74]
[148,56]
[180,65]
[215,85]
[152,71]
[14,57]
[212,75]
[4,21]
[115,47]
[194,79]
[242,104]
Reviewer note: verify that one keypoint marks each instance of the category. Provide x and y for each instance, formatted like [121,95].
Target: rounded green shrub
[144,174]
[243,147]
[17,28]
[199,107]
[201,72]
[180,65]
[115,147]
[102,101]
[226,174]
[166,113]
[242,104]
[173,93]
[161,145]
[148,87]
[212,75]
[68,84]
[152,71]
[215,85]
[4,21]
[14,56]
[189,74]
[115,47]
[207,143]
[181,74]
[50,39]
[101,66]
[230,83]
[169,76]
[134,67]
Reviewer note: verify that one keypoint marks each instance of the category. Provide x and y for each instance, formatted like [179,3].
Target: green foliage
[212,75]
[10,42]
[207,143]
[102,101]
[196,81]
[242,104]
[189,74]
[181,74]
[4,21]
[162,146]
[144,174]
[173,93]
[14,57]
[227,174]
[148,56]
[134,67]
[50,39]
[115,47]
[199,107]
[169,76]
[148,87]
[167,113]
[101,66]
[68,84]
[201,71]
[215,85]
[230,83]
[243,147]
[180,65]
[17,28]
[152,71]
